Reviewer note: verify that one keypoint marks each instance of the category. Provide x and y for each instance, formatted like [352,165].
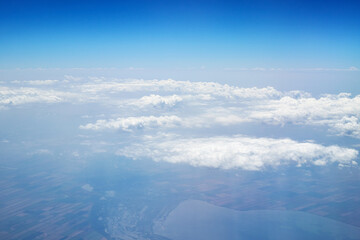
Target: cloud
[87,187]
[339,112]
[130,123]
[212,88]
[24,95]
[319,69]
[41,152]
[203,104]
[353,69]
[213,103]
[70,78]
[110,193]
[35,82]
[158,101]
[347,126]
[41,82]
[330,69]
[239,152]
[196,110]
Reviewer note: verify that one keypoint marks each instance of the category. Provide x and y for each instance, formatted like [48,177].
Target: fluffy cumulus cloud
[340,113]
[347,126]
[239,152]
[158,101]
[130,123]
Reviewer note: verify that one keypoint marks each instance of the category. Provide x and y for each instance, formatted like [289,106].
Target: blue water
[197,220]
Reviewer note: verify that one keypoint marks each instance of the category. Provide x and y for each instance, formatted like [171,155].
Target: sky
[180,34]
[236,84]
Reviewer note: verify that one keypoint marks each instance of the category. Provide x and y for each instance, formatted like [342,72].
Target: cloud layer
[197,113]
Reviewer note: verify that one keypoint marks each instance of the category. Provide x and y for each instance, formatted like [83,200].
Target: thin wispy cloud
[319,69]
[130,123]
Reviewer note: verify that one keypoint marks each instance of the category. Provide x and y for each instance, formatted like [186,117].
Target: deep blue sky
[176,34]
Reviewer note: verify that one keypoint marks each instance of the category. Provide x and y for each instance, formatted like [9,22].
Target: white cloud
[308,109]
[239,152]
[339,112]
[110,193]
[158,101]
[70,78]
[41,152]
[293,69]
[347,126]
[16,96]
[41,82]
[330,69]
[353,69]
[87,187]
[127,124]
[212,88]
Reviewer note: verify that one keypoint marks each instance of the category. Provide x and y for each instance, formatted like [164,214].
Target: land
[109,197]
